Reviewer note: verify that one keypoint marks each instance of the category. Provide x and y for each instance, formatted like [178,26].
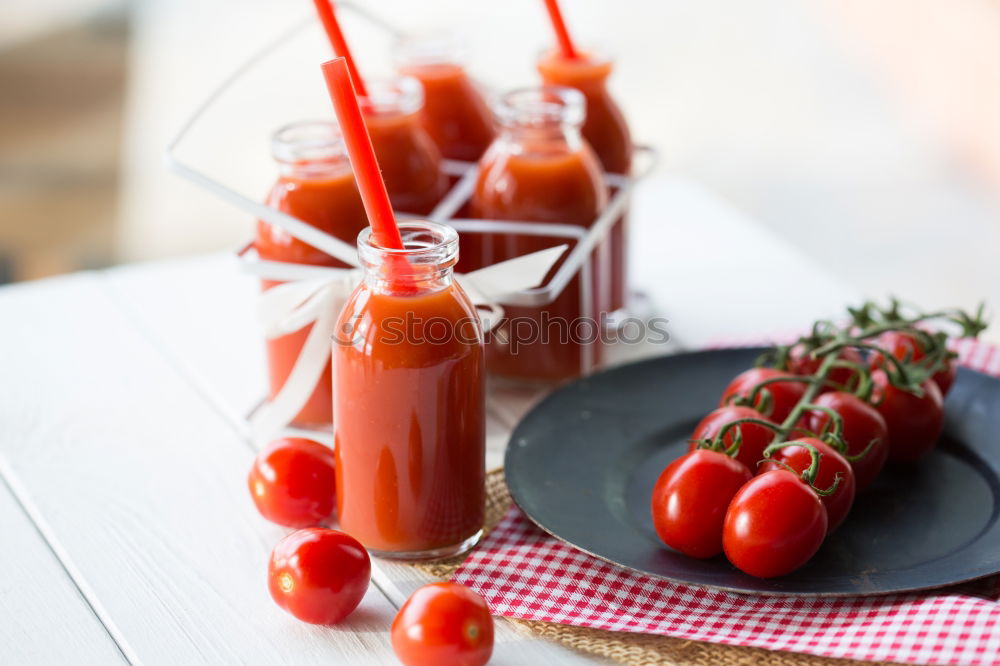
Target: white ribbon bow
[291,306]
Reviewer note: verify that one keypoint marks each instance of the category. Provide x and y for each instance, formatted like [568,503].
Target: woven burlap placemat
[624,647]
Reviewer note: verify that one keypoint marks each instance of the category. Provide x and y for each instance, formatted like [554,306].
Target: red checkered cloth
[522,572]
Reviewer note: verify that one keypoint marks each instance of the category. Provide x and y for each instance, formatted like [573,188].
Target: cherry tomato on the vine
[801,364]
[784,395]
[292,482]
[903,345]
[864,428]
[443,623]
[831,464]
[319,575]
[773,525]
[690,499]
[753,438]
[914,422]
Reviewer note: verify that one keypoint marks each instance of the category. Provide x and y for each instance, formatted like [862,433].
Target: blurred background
[865,133]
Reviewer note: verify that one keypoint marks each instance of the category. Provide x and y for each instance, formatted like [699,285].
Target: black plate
[583,463]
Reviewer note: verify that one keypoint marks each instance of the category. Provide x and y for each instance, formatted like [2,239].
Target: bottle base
[430,554]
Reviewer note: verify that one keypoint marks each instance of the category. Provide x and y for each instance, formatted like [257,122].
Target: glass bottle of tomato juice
[540,169]
[606,131]
[409,410]
[455,113]
[316,185]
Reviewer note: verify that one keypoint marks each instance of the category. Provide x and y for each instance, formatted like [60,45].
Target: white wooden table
[128,532]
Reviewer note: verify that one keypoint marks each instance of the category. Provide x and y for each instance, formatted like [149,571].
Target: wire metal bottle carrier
[227,159]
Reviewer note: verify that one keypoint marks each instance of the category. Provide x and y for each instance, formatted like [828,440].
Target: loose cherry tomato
[773,525]
[443,623]
[319,575]
[690,500]
[754,438]
[831,463]
[784,395]
[914,422]
[863,427]
[801,364]
[292,482]
[902,345]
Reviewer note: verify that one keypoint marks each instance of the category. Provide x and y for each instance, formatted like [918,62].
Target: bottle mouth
[592,65]
[541,107]
[425,243]
[308,141]
[400,95]
[589,56]
[432,48]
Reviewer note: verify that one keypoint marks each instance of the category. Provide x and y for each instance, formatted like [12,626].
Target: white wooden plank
[202,312]
[43,617]
[140,486]
[716,274]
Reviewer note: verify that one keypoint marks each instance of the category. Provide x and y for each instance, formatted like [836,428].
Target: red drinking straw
[361,154]
[559,25]
[329,20]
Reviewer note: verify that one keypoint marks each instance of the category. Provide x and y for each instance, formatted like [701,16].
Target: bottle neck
[311,150]
[530,139]
[399,97]
[547,119]
[426,264]
[321,169]
[441,50]
[392,279]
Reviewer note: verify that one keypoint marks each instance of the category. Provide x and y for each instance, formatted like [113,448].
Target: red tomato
[831,463]
[774,525]
[292,482]
[755,438]
[690,500]
[902,344]
[784,395]
[914,423]
[443,623]
[863,426]
[801,364]
[319,575]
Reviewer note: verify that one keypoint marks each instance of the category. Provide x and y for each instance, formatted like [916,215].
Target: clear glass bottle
[608,134]
[316,185]
[540,169]
[409,410]
[455,113]
[409,158]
